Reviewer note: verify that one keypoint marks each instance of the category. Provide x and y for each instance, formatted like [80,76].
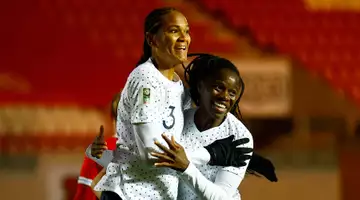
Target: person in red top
[90,169]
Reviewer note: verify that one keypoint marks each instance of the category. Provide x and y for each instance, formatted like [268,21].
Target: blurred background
[61,61]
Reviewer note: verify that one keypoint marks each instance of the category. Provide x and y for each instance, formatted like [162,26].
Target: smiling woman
[216,87]
[150,104]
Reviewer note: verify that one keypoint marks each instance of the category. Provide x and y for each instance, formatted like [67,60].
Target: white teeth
[220,105]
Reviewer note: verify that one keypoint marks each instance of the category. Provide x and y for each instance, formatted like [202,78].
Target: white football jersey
[147,97]
[192,138]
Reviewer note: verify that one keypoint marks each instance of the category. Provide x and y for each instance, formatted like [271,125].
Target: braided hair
[204,66]
[152,25]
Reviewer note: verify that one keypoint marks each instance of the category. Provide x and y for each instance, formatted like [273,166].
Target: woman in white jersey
[216,88]
[152,102]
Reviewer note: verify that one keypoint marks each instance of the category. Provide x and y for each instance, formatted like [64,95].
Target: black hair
[204,66]
[114,104]
[152,25]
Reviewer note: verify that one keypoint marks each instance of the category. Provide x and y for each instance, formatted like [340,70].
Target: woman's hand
[99,145]
[225,152]
[173,157]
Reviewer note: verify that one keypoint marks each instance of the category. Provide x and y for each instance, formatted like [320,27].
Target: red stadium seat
[321,40]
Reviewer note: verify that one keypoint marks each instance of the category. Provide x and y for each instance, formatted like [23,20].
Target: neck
[180,71]
[168,73]
[204,121]
[165,69]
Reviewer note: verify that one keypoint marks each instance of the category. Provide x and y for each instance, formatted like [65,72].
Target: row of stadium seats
[73,53]
[120,23]
[40,143]
[326,42]
[65,50]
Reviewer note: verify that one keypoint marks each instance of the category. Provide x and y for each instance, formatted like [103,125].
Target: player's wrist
[190,170]
[212,154]
[185,166]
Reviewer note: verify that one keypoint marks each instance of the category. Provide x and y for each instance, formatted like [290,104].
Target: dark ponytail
[151,26]
[114,105]
[146,53]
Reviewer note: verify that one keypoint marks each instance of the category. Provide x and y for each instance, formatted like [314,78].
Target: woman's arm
[89,171]
[143,99]
[225,185]
[145,135]
[96,180]
[227,180]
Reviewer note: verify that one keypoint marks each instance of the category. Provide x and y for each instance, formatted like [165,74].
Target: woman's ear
[150,38]
[200,89]
[200,86]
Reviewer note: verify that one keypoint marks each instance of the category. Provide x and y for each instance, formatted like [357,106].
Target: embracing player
[91,168]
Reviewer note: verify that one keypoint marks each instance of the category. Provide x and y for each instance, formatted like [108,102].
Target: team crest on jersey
[146,95]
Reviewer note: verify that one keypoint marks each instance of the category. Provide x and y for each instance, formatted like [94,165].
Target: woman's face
[219,93]
[171,42]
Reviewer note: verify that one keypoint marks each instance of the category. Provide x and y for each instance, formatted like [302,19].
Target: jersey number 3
[171,115]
